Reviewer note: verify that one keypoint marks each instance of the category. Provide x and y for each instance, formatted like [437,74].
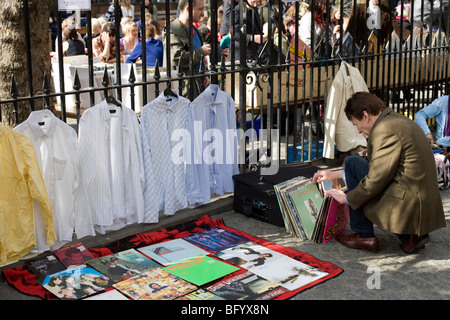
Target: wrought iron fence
[283,82]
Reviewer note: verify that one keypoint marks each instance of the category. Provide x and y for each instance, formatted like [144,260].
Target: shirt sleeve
[135,54]
[38,191]
[431,111]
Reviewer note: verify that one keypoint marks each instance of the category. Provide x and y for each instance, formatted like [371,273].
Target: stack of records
[307,213]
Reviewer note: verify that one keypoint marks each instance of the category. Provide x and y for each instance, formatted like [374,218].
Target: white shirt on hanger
[112,165]
[56,148]
[165,187]
[214,158]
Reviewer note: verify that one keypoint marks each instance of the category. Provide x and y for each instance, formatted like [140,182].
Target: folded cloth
[24,281]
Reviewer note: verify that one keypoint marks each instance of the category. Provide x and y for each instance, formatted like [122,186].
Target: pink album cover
[337,219]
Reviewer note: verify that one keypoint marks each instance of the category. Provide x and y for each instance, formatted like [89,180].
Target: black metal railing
[285,85]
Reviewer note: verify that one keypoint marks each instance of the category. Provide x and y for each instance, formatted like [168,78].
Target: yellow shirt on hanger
[21,183]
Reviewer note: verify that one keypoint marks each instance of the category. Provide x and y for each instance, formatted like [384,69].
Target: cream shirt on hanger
[112,165]
[339,130]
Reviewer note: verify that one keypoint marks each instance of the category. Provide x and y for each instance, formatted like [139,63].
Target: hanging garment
[56,147]
[214,158]
[20,183]
[112,166]
[163,123]
[339,130]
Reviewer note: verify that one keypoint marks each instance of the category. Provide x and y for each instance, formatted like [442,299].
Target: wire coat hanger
[109,98]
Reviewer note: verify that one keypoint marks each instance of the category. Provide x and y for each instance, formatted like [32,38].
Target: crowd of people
[319,27]
[104,35]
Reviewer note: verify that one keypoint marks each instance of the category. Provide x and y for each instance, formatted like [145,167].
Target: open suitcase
[254,195]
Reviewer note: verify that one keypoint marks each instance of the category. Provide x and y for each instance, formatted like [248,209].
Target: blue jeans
[356,168]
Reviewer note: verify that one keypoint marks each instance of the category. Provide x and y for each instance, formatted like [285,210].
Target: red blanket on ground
[24,281]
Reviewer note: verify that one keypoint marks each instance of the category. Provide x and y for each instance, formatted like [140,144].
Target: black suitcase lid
[285,172]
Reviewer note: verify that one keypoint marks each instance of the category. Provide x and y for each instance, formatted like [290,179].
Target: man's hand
[325,175]
[105,37]
[338,195]
[431,138]
[206,49]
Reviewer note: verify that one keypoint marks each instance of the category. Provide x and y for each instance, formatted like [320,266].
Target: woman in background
[151,8]
[131,39]
[127,8]
[154,46]
[74,45]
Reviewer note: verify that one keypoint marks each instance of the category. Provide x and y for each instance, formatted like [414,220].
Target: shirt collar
[211,94]
[105,108]
[36,118]
[163,105]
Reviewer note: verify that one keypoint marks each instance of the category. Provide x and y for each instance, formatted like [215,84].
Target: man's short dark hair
[184,3]
[363,101]
[110,28]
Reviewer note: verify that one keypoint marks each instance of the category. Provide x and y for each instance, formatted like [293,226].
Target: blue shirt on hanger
[214,158]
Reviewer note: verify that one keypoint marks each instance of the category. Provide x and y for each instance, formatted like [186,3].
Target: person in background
[290,17]
[338,19]
[225,27]
[127,8]
[254,39]
[96,29]
[374,17]
[276,32]
[154,47]
[151,8]
[110,14]
[403,15]
[74,46]
[180,50]
[123,22]
[304,31]
[104,46]
[102,20]
[67,23]
[131,39]
[426,12]
[438,110]
[53,28]
[219,23]
[395,187]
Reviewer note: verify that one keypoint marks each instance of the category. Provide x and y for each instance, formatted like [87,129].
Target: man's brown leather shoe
[414,243]
[354,241]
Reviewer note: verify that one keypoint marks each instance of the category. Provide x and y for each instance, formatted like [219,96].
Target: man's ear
[366,116]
